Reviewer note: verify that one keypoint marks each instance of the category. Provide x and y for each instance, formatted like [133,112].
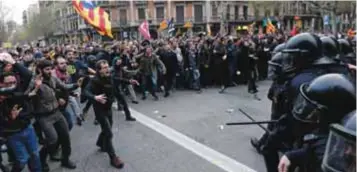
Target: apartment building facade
[126,16]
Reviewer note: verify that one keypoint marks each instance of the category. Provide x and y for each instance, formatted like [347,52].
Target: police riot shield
[340,153]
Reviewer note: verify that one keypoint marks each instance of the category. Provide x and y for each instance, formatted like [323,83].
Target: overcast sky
[17,7]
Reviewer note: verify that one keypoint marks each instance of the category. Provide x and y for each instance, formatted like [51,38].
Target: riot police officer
[340,154]
[330,48]
[347,54]
[275,92]
[317,106]
[302,62]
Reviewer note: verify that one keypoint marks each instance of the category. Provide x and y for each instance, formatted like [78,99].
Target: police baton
[250,123]
[253,120]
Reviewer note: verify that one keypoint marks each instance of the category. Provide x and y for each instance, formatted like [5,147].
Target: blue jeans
[25,147]
[68,116]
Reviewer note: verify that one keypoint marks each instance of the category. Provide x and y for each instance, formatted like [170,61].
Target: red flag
[294,31]
[144,30]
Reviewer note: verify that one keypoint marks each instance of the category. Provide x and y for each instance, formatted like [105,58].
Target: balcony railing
[232,18]
[120,23]
[202,19]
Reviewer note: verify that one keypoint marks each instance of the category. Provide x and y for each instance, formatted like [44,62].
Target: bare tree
[268,7]
[333,9]
[4,13]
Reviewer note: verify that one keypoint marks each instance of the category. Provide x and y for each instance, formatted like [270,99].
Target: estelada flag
[93,15]
[163,25]
[188,24]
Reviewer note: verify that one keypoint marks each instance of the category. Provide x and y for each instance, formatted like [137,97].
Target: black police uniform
[276,92]
[317,106]
[300,54]
[341,146]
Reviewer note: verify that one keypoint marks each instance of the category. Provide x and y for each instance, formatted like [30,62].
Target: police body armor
[340,153]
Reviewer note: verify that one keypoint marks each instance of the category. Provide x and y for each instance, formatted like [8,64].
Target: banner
[144,30]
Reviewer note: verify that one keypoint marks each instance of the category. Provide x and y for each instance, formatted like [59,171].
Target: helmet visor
[306,110]
[274,70]
[288,61]
[340,153]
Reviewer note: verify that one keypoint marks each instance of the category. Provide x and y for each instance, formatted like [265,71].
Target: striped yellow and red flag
[163,25]
[270,28]
[188,24]
[93,15]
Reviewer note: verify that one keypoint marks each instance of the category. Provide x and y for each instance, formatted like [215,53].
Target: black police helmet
[275,65]
[325,100]
[278,48]
[330,47]
[345,46]
[306,48]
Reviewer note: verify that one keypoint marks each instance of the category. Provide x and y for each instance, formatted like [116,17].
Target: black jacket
[17,97]
[170,61]
[99,85]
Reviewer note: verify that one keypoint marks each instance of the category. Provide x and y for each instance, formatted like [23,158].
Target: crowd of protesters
[42,89]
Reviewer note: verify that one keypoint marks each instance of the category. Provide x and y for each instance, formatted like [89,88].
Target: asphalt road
[182,133]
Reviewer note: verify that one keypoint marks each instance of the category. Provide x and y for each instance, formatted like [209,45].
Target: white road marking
[224,162]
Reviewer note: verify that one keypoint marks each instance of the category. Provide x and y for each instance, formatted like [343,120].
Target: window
[123,19]
[180,14]
[304,8]
[58,13]
[141,13]
[198,13]
[245,12]
[276,11]
[267,13]
[214,11]
[236,12]
[160,13]
[228,12]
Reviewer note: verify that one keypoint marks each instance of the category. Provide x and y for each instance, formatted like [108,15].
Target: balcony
[141,3]
[232,18]
[120,23]
[215,19]
[119,3]
[201,20]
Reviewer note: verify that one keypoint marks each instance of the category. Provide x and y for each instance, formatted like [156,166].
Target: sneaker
[68,164]
[117,163]
[130,119]
[135,102]
[156,98]
[79,121]
[167,94]
[56,156]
